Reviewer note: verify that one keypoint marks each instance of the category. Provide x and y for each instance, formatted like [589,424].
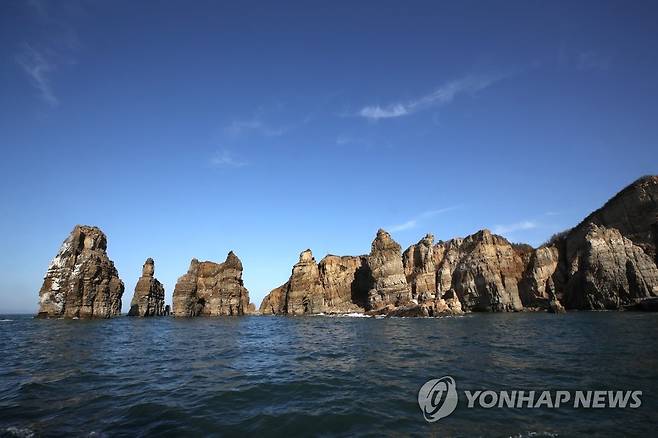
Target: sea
[324,375]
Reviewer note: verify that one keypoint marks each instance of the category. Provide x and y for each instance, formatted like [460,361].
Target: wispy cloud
[443,95]
[38,70]
[415,221]
[518,226]
[224,158]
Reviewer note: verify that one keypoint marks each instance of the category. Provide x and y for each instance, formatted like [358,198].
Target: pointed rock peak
[89,238]
[149,268]
[233,260]
[428,240]
[306,256]
[383,241]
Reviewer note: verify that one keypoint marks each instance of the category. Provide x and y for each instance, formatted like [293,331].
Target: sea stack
[148,299]
[212,289]
[389,282]
[81,281]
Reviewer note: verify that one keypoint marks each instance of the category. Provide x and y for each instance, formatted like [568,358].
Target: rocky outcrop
[345,282]
[483,270]
[81,281]
[148,299]
[305,293]
[212,289]
[420,269]
[389,283]
[633,212]
[607,270]
[543,278]
[335,285]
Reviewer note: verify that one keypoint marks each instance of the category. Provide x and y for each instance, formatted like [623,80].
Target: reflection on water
[297,376]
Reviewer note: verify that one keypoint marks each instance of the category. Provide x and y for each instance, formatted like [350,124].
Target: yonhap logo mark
[438,398]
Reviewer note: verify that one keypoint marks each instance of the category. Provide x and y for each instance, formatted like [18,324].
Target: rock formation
[212,289]
[335,285]
[607,270]
[81,281]
[420,269]
[484,270]
[148,299]
[389,282]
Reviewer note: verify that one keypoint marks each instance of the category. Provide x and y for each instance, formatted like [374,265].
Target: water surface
[318,375]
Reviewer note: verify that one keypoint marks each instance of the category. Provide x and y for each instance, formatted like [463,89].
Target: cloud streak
[415,221]
[38,69]
[518,226]
[224,159]
[443,95]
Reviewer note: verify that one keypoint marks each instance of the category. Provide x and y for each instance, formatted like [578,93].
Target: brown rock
[81,281]
[211,289]
[148,299]
[420,269]
[274,303]
[389,282]
[345,281]
[305,293]
[607,270]
[484,270]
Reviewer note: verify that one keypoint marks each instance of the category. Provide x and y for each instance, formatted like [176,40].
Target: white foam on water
[6,320]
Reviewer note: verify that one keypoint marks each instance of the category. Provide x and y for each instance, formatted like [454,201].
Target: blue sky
[187,129]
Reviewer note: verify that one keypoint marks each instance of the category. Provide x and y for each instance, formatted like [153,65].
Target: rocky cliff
[148,299]
[335,285]
[390,285]
[81,281]
[212,289]
[606,262]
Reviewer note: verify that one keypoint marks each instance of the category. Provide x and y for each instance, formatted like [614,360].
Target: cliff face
[389,281]
[212,289]
[335,285]
[419,264]
[607,270]
[484,270]
[148,299]
[633,212]
[81,281]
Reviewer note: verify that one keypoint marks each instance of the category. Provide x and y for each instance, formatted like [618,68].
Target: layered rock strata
[212,289]
[148,299]
[81,281]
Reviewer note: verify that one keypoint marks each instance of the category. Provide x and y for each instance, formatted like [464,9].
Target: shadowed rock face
[633,212]
[607,270]
[148,299]
[212,289]
[305,293]
[81,281]
[389,282]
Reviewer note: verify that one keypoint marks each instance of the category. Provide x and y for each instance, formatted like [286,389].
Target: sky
[188,129]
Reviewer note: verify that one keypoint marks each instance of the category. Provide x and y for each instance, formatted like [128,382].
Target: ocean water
[328,376]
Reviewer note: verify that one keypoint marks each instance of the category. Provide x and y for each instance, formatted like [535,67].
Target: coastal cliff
[608,261]
[81,281]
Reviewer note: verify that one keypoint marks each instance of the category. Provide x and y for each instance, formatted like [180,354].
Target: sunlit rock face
[81,281]
[335,285]
[148,299]
[484,270]
[212,289]
[420,269]
[389,281]
[607,270]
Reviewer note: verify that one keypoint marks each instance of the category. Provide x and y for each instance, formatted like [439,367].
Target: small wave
[19,432]
[344,315]
[6,320]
